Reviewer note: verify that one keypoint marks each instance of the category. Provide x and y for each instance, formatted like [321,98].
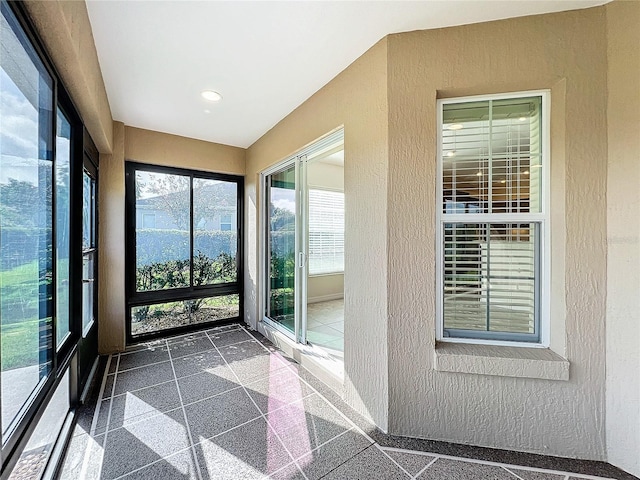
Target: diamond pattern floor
[225,404]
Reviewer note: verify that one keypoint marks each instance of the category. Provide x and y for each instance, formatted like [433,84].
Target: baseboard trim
[325,298]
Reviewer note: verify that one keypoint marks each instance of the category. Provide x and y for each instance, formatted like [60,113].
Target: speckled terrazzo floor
[225,404]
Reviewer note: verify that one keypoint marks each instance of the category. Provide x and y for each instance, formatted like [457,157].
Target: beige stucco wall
[147,147]
[66,31]
[357,99]
[623,236]
[563,52]
[111,243]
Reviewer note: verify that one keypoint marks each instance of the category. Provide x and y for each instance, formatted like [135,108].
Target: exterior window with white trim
[493,226]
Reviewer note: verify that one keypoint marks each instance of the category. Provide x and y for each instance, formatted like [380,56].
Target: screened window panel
[491,151]
[491,166]
[491,277]
[326,232]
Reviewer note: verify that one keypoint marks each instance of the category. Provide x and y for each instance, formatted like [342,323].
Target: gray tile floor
[223,404]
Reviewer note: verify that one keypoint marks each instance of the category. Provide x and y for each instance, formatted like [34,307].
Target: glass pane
[88,211]
[215,231]
[162,252]
[63,229]
[281,201]
[34,457]
[153,318]
[26,257]
[490,277]
[88,288]
[326,232]
[491,156]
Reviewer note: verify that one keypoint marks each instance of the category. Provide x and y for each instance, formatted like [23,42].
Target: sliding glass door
[283,252]
[304,245]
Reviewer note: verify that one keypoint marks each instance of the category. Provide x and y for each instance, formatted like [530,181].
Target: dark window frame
[136,299]
[65,358]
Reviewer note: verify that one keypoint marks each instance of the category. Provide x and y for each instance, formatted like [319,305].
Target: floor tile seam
[285,467]
[285,405]
[347,460]
[393,460]
[326,325]
[140,366]
[256,405]
[547,470]
[136,470]
[228,430]
[139,389]
[319,446]
[336,409]
[251,339]
[142,350]
[194,456]
[94,423]
[136,422]
[290,367]
[103,384]
[499,464]
[425,468]
[106,433]
[155,384]
[512,473]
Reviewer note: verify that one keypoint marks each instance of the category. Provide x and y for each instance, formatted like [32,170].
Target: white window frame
[542,218]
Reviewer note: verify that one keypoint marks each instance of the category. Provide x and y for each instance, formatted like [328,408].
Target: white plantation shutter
[326,232]
[491,218]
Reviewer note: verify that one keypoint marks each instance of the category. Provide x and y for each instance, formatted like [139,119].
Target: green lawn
[20,344]
[19,332]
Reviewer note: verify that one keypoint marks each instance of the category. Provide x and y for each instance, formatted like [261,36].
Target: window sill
[519,362]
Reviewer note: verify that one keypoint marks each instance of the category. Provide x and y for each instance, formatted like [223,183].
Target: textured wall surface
[72,49]
[111,235]
[357,99]
[147,146]
[563,52]
[623,217]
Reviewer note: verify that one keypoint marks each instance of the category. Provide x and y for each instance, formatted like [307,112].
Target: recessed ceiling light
[206,110]
[526,172]
[522,119]
[503,181]
[479,174]
[451,153]
[211,96]
[455,126]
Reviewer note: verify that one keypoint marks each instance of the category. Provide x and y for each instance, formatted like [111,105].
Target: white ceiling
[264,57]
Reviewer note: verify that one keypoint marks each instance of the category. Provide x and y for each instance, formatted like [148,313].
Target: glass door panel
[63,227]
[26,213]
[281,247]
[324,228]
